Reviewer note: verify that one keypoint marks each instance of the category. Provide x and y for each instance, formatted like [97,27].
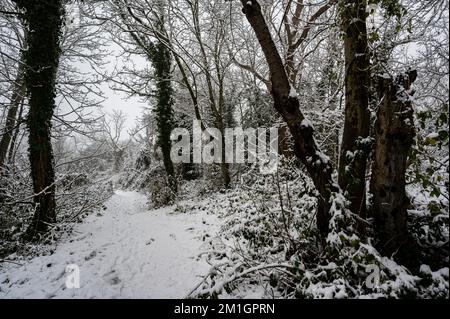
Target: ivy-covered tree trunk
[394,135]
[44,20]
[162,62]
[160,56]
[353,156]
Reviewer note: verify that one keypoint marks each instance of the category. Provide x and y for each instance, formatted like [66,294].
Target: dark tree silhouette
[44,20]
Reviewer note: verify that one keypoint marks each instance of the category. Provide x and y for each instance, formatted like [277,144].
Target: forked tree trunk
[353,157]
[44,19]
[394,134]
[287,104]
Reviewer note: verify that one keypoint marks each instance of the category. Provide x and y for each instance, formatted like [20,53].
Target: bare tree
[200,55]
[17,99]
[12,40]
[287,104]
[113,129]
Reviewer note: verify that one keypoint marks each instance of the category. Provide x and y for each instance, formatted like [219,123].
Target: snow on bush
[269,247]
[79,192]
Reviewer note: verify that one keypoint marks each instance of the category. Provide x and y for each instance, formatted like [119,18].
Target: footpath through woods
[124,251]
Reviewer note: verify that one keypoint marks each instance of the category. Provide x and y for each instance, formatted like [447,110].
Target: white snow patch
[293,93]
[306,123]
[432,136]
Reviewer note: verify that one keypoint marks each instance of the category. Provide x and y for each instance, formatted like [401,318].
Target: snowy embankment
[125,251]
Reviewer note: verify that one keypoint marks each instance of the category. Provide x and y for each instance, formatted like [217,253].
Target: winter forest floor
[123,251]
[248,242]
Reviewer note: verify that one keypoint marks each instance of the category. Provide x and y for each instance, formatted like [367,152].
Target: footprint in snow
[112,278]
[91,255]
[114,281]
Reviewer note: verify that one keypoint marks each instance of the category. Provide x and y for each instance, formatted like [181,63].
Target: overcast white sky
[131,106]
[116,100]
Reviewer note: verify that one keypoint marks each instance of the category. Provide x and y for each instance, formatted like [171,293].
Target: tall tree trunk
[287,104]
[44,20]
[12,145]
[118,159]
[160,57]
[224,166]
[394,134]
[164,112]
[353,157]
[18,93]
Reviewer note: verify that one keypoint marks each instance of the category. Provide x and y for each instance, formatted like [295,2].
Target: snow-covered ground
[125,251]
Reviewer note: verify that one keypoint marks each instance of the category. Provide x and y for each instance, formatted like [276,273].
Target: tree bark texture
[394,135]
[287,104]
[353,156]
[44,20]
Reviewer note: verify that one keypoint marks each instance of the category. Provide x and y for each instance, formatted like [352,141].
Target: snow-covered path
[126,252]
